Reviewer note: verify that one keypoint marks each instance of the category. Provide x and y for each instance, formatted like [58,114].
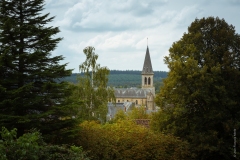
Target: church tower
[147,72]
[147,81]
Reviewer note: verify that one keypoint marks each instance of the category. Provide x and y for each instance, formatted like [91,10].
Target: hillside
[131,78]
[124,79]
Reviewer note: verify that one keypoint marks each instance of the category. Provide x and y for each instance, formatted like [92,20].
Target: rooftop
[132,92]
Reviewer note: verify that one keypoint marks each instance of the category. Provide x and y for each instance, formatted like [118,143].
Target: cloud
[128,46]
[119,29]
[108,42]
[233,2]
[98,16]
[59,3]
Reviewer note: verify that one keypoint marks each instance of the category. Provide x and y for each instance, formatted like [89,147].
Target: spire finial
[147,41]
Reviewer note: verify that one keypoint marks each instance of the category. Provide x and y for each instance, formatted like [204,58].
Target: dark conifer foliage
[29,95]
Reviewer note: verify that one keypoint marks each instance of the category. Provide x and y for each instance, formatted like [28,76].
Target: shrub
[126,140]
[31,146]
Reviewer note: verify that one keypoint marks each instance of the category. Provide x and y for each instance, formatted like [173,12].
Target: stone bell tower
[147,72]
[147,80]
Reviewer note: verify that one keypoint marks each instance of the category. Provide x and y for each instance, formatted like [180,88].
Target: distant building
[128,97]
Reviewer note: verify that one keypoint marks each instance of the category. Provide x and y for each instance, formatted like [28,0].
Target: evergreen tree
[200,97]
[29,94]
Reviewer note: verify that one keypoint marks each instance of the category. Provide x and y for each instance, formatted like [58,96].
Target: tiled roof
[132,92]
[143,122]
[114,108]
[147,66]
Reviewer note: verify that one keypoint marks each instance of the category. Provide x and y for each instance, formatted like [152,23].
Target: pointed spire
[147,66]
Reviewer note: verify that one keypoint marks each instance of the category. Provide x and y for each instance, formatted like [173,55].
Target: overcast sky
[118,29]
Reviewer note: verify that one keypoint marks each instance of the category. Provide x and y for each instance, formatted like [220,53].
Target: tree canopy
[92,87]
[125,139]
[200,97]
[29,94]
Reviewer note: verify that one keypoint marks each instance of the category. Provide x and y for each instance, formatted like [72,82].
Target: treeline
[127,78]
[137,72]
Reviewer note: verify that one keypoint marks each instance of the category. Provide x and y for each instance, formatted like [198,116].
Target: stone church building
[144,96]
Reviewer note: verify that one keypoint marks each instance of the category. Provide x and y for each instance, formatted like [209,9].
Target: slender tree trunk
[91,93]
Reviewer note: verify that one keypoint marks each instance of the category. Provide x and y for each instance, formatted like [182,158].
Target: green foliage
[139,113]
[130,78]
[133,114]
[200,97]
[125,80]
[158,85]
[120,115]
[92,88]
[31,146]
[26,147]
[126,140]
[29,95]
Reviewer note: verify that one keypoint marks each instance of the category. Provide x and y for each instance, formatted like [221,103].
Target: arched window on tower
[136,101]
[149,81]
[145,81]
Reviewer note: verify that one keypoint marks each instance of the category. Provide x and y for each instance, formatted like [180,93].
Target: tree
[139,113]
[92,87]
[30,97]
[200,97]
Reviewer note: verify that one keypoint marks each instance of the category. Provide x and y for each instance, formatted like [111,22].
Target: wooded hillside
[128,78]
